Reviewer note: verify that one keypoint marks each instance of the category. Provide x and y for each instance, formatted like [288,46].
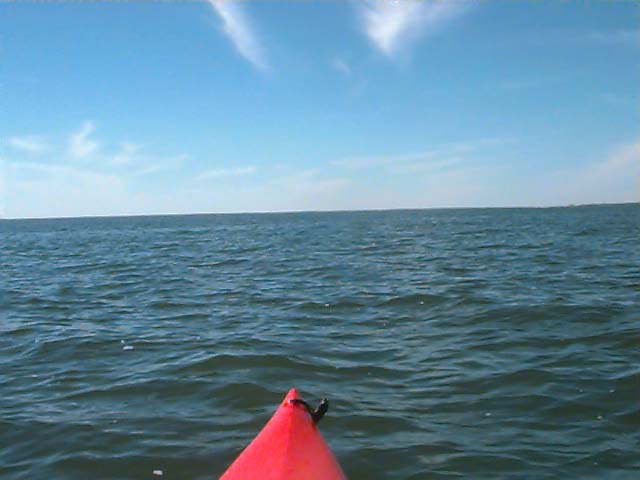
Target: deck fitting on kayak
[318,413]
[289,447]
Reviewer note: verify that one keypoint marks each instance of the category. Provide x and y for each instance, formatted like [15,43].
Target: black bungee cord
[317,413]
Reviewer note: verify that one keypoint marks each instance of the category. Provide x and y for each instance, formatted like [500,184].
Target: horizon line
[276,212]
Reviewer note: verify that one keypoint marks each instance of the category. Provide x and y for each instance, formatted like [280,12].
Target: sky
[121,108]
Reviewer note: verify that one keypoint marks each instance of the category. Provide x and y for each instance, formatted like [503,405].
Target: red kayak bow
[289,447]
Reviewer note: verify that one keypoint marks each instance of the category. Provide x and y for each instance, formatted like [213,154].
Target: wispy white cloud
[341,65]
[59,185]
[226,172]
[616,178]
[426,167]
[29,144]
[80,143]
[354,163]
[107,159]
[160,166]
[310,182]
[617,37]
[623,157]
[530,82]
[392,24]
[46,190]
[49,168]
[125,154]
[236,26]
[436,157]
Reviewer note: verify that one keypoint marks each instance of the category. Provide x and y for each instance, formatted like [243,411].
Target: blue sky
[228,106]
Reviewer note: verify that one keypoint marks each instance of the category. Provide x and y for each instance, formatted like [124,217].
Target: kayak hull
[289,447]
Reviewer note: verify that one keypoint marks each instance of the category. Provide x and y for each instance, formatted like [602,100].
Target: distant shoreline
[289,212]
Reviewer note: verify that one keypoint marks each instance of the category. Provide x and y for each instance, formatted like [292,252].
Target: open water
[479,344]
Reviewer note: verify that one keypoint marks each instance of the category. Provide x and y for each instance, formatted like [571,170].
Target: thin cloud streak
[126,153]
[390,25]
[239,31]
[617,37]
[613,179]
[226,172]
[80,145]
[620,172]
[311,181]
[355,163]
[30,144]
[437,156]
[161,166]
[114,165]
[341,65]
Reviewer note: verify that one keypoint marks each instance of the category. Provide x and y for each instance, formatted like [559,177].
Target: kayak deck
[289,447]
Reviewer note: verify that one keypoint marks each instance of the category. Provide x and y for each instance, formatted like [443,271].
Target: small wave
[413,300]
[332,306]
[218,362]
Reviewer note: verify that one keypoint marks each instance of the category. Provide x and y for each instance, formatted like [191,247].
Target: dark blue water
[482,344]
